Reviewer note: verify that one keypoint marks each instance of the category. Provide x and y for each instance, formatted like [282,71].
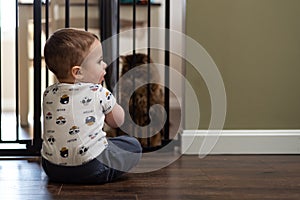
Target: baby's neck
[68,80]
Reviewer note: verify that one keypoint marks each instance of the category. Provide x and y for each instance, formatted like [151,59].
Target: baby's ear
[76,73]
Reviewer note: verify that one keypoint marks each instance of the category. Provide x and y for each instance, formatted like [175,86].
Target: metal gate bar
[134,58]
[47,36]
[167,70]
[86,10]
[37,65]
[17,72]
[148,65]
[0,81]
[67,13]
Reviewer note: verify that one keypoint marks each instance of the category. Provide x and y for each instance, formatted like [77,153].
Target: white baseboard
[240,142]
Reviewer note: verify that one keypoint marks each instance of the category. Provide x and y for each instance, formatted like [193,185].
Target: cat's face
[129,62]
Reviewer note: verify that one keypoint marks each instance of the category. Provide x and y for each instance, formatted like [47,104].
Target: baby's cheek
[101,78]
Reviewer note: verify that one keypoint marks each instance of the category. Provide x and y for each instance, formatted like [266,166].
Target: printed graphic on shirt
[48,154]
[50,131]
[64,152]
[73,89]
[105,110]
[51,140]
[108,95]
[83,150]
[54,90]
[46,92]
[49,116]
[94,88]
[85,101]
[49,102]
[90,120]
[64,99]
[88,111]
[74,130]
[92,136]
[61,120]
[72,140]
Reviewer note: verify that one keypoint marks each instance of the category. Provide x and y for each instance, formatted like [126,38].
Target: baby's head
[75,55]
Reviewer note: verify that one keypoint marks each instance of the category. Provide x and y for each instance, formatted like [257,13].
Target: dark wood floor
[213,177]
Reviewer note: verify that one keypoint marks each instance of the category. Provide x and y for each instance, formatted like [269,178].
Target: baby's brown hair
[66,48]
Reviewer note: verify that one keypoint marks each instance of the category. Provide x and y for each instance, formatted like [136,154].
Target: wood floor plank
[212,177]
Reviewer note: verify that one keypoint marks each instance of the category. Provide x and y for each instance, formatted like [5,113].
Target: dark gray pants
[121,155]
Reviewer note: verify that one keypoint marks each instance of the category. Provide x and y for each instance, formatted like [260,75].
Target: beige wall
[256,46]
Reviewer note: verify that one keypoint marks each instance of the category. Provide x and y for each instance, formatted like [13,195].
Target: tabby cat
[138,103]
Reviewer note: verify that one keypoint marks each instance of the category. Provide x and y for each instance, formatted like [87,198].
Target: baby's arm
[115,118]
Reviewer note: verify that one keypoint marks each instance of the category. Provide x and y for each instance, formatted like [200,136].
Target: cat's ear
[122,58]
[145,58]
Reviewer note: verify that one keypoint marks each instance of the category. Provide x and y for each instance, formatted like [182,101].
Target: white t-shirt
[73,122]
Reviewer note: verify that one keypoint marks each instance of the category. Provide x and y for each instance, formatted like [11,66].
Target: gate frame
[33,146]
